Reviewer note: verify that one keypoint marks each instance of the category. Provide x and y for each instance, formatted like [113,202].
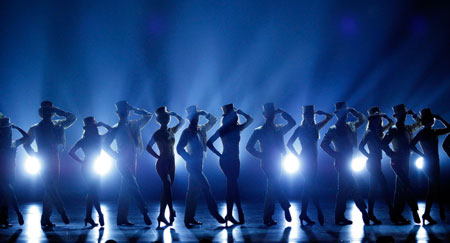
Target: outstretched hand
[319,112]
[240,112]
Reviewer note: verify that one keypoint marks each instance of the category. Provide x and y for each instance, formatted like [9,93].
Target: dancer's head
[5,132]
[400,112]
[308,114]
[47,110]
[229,116]
[162,116]
[341,111]
[123,109]
[375,122]
[269,112]
[427,117]
[90,126]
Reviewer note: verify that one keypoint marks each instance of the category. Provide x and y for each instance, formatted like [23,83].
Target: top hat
[46,104]
[426,116]
[122,106]
[4,121]
[339,106]
[308,109]
[269,108]
[161,111]
[227,109]
[89,121]
[399,109]
[191,110]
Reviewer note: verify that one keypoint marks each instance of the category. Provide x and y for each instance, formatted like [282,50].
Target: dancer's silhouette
[230,134]
[446,145]
[372,138]
[165,164]
[8,148]
[91,144]
[429,141]
[270,137]
[127,134]
[308,135]
[400,135]
[194,139]
[49,134]
[343,136]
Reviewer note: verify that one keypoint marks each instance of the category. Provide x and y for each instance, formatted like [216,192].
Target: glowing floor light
[32,165]
[103,163]
[359,163]
[291,163]
[419,163]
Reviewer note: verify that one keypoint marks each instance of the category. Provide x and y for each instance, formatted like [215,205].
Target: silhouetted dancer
[165,164]
[91,144]
[271,148]
[372,137]
[343,136]
[127,134]
[446,145]
[230,134]
[194,139]
[400,135]
[8,148]
[49,134]
[429,141]
[308,135]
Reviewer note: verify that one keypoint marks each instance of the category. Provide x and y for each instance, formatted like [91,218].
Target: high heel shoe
[101,220]
[416,217]
[219,218]
[287,215]
[20,218]
[320,218]
[304,217]
[65,218]
[147,219]
[230,218]
[163,219]
[241,217]
[428,218]
[172,216]
[374,219]
[90,221]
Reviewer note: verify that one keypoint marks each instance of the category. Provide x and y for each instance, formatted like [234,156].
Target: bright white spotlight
[103,163]
[359,163]
[291,163]
[419,163]
[32,165]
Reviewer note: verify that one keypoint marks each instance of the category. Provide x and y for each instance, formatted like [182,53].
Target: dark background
[86,55]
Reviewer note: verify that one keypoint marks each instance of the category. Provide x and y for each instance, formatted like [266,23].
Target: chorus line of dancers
[266,143]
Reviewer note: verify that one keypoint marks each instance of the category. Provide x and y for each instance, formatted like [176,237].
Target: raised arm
[417,123]
[324,122]
[414,141]
[291,141]
[149,147]
[68,120]
[24,137]
[363,143]
[27,144]
[248,120]
[251,145]
[445,130]
[211,121]
[180,123]
[182,144]
[361,118]
[211,141]
[290,121]
[389,124]
[145,116]
[73,151]
[326,144]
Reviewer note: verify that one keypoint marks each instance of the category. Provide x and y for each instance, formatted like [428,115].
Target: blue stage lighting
[32,165]
[291,164]
[419,163]
[103,163]
[359,163]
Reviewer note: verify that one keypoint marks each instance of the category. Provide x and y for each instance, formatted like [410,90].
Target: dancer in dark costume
[91,143]
[127,134]
[344,140]
[446,145]
[194,139]
[400,135]
[373,137]
[308,135]
[271,148]
[8,148]
[429,141]
[165,164]
[49,134]
[230,134]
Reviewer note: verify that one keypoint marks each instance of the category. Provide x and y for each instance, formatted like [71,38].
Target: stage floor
[252,231]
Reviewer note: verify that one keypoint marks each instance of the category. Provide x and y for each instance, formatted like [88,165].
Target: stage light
[103,163]
[291,163]
[419,163]
[359,163]
[32,165]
